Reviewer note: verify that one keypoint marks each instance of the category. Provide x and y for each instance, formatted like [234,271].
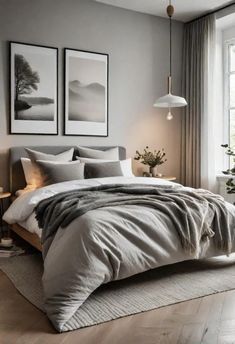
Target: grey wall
[139,60]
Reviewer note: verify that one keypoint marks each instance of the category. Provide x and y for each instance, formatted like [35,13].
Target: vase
[153,171]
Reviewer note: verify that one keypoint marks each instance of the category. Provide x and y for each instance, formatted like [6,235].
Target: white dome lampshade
[170,100]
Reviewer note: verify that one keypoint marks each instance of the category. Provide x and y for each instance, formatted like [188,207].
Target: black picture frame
[83,127]
[40,120]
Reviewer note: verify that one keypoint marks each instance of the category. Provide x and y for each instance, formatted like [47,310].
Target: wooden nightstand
[170,178]
[3,195]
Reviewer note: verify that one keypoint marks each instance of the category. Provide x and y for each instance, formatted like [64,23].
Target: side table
[3,196]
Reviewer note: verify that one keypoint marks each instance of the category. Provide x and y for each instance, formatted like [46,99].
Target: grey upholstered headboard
[17,179]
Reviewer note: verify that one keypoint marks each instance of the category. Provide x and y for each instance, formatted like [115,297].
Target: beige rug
[153,289]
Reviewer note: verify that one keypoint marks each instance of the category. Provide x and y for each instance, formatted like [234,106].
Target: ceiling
[185,10]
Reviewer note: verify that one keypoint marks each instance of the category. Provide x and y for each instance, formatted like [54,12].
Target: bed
[104,229]
[17,180]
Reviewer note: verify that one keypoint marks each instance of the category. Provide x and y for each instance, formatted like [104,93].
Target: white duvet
[21,210]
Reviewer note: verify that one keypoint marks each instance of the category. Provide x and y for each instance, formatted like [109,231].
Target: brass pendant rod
[170,46]
[169,84]
[170,12]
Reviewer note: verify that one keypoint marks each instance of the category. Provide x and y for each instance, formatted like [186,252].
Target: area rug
[156,288]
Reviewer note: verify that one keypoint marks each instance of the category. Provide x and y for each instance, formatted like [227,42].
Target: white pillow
[33,175]
[125,164]
[110,154]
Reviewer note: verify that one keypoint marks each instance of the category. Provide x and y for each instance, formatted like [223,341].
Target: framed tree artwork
[33,89]
[86,93]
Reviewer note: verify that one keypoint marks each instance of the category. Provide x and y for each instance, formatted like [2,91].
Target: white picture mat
[33,126]
[85,127]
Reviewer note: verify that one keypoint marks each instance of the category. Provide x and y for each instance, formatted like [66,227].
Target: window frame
[228,161]
[227,73]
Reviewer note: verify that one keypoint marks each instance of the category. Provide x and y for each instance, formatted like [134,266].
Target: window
[230,85]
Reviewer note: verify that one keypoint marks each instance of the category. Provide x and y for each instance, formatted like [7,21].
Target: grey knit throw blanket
[197,215]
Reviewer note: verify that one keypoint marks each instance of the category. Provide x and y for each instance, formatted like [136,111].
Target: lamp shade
[170,101]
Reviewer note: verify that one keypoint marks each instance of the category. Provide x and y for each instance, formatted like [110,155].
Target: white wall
[229,33]
[139,60]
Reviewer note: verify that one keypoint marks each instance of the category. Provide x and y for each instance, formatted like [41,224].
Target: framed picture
[33,89]
[86,93]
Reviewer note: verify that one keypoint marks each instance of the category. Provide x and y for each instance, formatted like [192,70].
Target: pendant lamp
[169,100]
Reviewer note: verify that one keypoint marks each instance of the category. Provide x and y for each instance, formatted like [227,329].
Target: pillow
[57,172]
[32,172]
[125,164]
[109,154]
[64,156]
[103,169]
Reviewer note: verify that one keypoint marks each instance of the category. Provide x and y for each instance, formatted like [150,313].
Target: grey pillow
[57,172]
[103,169]
[65,156]
[109,154]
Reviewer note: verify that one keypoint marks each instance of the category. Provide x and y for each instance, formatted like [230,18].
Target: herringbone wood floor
[208,320]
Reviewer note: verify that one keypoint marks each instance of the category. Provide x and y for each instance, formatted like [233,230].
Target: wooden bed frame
[32,238]
[17,179]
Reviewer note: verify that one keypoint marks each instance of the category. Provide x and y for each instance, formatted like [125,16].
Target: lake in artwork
[37,113]
[35,109]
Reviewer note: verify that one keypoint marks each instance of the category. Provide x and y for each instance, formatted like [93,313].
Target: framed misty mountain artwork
[33,89]
[86,93]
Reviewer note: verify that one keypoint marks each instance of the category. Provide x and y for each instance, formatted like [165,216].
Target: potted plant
[152,159]
[231,171]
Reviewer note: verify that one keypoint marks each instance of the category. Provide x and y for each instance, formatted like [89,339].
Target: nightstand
[3,195]
[170,178]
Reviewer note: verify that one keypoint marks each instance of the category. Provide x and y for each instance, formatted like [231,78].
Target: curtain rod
[215,11]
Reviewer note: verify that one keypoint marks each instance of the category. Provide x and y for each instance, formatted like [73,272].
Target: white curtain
[198,140]
[209,144]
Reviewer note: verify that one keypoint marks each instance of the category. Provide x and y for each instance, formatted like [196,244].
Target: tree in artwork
[26,81]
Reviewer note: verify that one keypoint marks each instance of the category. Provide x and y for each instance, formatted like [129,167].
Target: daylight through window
[231,92]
